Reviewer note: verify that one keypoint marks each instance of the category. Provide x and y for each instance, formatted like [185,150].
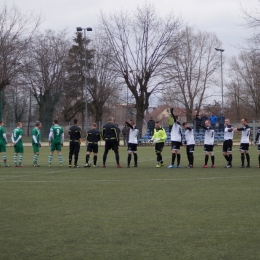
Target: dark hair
[55,121]
[184,123]
[75,121]
[157,122]
[94,125]
[1,121]
[245,119]
[37,123]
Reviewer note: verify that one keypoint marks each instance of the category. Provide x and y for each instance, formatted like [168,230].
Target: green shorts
[55,146]
[2,146]
[18,148]
[36,149]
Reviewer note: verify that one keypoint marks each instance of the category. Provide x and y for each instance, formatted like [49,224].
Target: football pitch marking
[145,180]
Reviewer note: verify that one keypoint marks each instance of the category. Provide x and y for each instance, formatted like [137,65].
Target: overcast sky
[220,16]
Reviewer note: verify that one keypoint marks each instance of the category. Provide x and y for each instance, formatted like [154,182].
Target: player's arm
[257,136]
[189,128]
[5,138]
[35,139]
[128,124]
[115,133]
[18,139]
[230,129]
[50,135]
[103,133]
[62,138]
[99,136]
[164,135]
[173,116]
[204,127]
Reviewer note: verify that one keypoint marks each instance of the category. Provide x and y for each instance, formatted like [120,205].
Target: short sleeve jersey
[36,135]
[209,136]
[16,133]
[57,133]
[2,132]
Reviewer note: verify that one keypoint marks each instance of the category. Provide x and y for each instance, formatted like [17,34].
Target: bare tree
[191,69]
[46,71]
[16,32]
[140,45]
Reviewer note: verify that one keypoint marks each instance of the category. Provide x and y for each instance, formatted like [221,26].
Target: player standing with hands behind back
[56,139]
[3,142]
[18,144]
[36,143]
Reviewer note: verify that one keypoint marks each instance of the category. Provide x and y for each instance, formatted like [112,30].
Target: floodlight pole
[221,64]
[89,29]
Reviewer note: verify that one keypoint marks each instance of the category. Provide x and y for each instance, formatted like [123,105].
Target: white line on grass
[145,180]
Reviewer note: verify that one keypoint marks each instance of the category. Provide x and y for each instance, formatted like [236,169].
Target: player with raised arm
[176,138]
[244,143]
[18,144]
[93,137]
[3,143]
[190,144]
[132,143]
[75,135]
[228,143]
[36,143]
[257,141]
[159,136]
[208,144]
[56,139]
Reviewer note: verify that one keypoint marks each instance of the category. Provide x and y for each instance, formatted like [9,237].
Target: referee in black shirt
[75,135]
[111,138]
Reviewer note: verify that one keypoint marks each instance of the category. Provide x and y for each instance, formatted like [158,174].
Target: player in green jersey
[3,142]
[36,143]
[18,144]
[56,139]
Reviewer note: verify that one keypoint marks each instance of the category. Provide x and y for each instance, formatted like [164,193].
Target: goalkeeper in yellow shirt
[159,136]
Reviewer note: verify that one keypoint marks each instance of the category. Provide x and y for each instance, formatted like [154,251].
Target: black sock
[158,157]
[178,159]
[87,158]
[206,159]
[191,159]
[248,159]
[95,159]
[230,159]
[117,158]
[129,158]
[213,159]
[259,159]
[242,158]
[227,157]
[173,158]
[135,158]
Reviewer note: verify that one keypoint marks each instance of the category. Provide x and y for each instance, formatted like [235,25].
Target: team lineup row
[110,136]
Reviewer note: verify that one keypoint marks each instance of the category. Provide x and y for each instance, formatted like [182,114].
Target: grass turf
[136,213]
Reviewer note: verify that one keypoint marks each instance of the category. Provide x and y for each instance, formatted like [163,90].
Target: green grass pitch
[130,213]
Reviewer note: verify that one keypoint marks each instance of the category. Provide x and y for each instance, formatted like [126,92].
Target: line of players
[110,136]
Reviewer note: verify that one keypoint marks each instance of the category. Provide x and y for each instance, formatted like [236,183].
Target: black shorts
[190,148]
[176,145]
[159,147]
[111,144]
[74,147]
[227,145]
[92,147]
[259,148]
[208,148]
[244,147]
[132,147]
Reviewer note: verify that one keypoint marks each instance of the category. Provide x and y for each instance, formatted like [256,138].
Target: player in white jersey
[190,144]
[209,144]
[244,143]
[176,138]
[257,140]
[228,143]
[132,143]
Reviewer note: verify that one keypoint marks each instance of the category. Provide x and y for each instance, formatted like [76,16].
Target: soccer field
[130,213]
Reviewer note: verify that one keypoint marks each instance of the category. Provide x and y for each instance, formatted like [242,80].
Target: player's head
[207,123]
[185,125]
[227,121]
[75,121]
[132,122]
[1,123]
[38,124]
[19,124]
[157,124]
[244,121]
[94,125]
[111,119]
[55,121]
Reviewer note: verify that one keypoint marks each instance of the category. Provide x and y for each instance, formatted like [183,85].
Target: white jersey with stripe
[176,132]
[189,136]
[133,135]
[245,134]
[209,136]
[228,132]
